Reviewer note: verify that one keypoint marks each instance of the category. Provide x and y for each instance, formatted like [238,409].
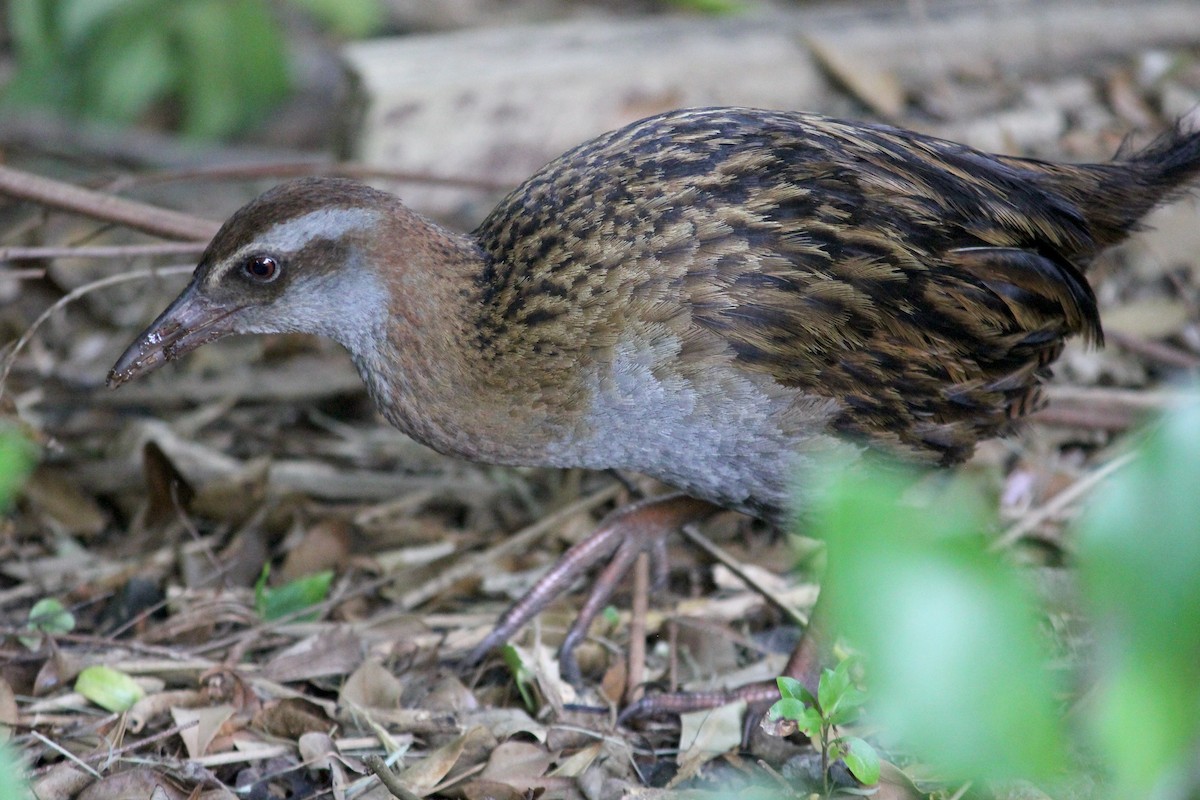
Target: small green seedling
[280,601]
[47,618]
[522,674]
[838,702]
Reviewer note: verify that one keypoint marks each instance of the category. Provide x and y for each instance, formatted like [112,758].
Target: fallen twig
[97,205]
[100,251]
[1060,501]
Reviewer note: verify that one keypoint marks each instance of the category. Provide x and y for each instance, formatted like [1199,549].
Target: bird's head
[303,257]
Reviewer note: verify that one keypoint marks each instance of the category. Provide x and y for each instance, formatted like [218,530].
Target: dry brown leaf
[879,90]
[488,790]
[292,718]
[65,779]
[336,651]
[704,735]
[518,764]
[325,545]
[894,784]
[372,685]
[167,491]
[612,685]
[157,703]
[507,722]
[317,749]
[134,783]
[578,762]
[53,493]
[9,714]
[204,725]
[427,773]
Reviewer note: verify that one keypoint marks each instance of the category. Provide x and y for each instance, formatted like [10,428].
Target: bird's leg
[624,533]
[805,665]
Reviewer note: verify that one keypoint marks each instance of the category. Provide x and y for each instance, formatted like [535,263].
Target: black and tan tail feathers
[1123,191]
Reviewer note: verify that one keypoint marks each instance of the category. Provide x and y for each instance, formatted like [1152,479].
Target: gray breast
[730,438]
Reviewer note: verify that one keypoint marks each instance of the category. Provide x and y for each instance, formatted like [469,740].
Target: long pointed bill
[192,320]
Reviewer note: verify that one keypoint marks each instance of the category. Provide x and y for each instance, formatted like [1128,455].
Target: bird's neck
[425,367]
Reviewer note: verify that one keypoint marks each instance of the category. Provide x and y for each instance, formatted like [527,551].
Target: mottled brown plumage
[710,297]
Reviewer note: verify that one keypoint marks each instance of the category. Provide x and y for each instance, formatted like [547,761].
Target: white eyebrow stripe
[292,235]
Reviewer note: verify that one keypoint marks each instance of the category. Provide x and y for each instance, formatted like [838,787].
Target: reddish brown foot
[805,665]
[621,536]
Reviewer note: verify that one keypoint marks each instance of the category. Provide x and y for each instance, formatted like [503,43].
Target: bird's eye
[263,269]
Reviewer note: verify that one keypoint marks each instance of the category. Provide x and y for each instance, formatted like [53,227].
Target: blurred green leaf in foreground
[17,457]
[1139,561]
[956,668]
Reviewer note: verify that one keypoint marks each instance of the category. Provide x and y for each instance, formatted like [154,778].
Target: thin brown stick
[23,274]
[388,778]
[485,561]
[303,169]
[1060,501]
[1156,351]
[97,205]
[1153,400]
[100,251]
[636,673]
[693,535]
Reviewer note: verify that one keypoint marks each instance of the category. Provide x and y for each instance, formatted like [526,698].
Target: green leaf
[862,760]
[108,688]
[349,18]
[957,666]
[790,687]
[31,25]
[130,66]
[48,616]
[79,20]
[12,784]
[275,602]
[810,722]
[712,7]
[522,674]
[787,708]
[832,685]
[17,457]
[851,702]
[1138,561]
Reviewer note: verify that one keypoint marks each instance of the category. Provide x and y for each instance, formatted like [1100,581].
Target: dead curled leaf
[519,764]
[372,685]
[423,776]
[291,718]
[333,652]
[200,726]
[157,703]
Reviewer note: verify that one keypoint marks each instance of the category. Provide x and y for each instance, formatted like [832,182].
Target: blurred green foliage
[17,457]
[958,672]
[47,617]
[221,65]
[12,786]
[711,7]
[1139,561]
